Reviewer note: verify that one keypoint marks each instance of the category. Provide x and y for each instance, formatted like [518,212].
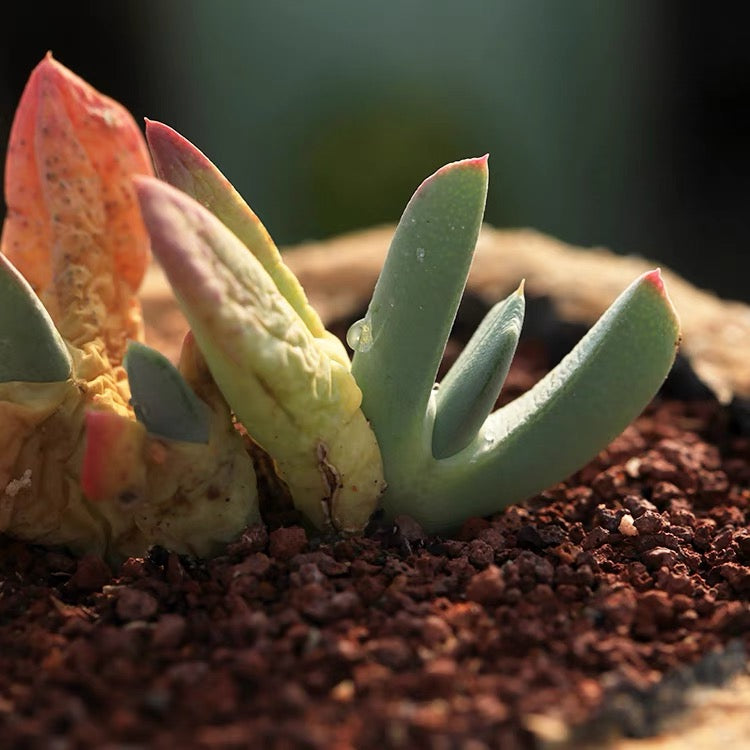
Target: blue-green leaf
[31,349]
[469,390]
[554,428]
[403,336]
[161,398]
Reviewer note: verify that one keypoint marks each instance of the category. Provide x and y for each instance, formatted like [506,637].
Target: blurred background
[621,123]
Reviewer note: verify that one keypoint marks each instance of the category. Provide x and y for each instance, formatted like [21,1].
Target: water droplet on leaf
[359,336]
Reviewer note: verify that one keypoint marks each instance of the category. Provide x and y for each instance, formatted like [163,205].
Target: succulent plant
[446,456]
[286,378]
[76,467]
[107,446]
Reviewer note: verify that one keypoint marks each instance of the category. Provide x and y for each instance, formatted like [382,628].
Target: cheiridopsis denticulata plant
[155,458]
[287,379]
[444,458]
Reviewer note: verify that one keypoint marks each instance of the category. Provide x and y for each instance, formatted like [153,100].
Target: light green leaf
[415,302]
[300,404]
[181,164]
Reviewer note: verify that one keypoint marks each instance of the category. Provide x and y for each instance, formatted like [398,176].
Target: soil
[583,613]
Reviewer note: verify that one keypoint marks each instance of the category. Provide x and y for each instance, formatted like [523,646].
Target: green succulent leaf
[161,398]
[415,301]
[31,349]
[565,420]
[443,460]
[469,391]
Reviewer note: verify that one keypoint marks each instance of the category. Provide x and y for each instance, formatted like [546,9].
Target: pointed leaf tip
[181,164]
[655,279]
[474,164]
[161,398]
[170,217]
[176,159]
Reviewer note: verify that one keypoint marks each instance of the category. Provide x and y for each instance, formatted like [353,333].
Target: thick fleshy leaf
[296,401]
[40,463]
[76,468]
[469,391]
[181,164]
[553,429]
[31,349]
[73,226]
[443,461]
[403,336]
[161,398]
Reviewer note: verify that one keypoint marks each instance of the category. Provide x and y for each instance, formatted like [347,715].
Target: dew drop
[420,254]
[359,336]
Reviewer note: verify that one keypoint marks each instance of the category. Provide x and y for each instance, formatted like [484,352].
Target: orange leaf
[73,226]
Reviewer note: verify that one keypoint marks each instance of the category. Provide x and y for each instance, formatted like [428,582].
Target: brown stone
[486,587]
[285,543]
[133,604]
[91,574]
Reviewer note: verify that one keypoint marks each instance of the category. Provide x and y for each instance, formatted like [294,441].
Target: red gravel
[585,605]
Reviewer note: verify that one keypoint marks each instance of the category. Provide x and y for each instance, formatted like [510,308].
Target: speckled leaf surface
[73,227]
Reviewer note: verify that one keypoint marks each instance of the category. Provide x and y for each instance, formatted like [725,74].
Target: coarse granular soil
[583,612]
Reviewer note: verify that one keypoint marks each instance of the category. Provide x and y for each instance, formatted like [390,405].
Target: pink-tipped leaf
[297,402]
[178,162]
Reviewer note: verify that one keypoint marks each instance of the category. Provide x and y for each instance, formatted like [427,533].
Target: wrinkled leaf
[181,164]
[297,403]
[73,227]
